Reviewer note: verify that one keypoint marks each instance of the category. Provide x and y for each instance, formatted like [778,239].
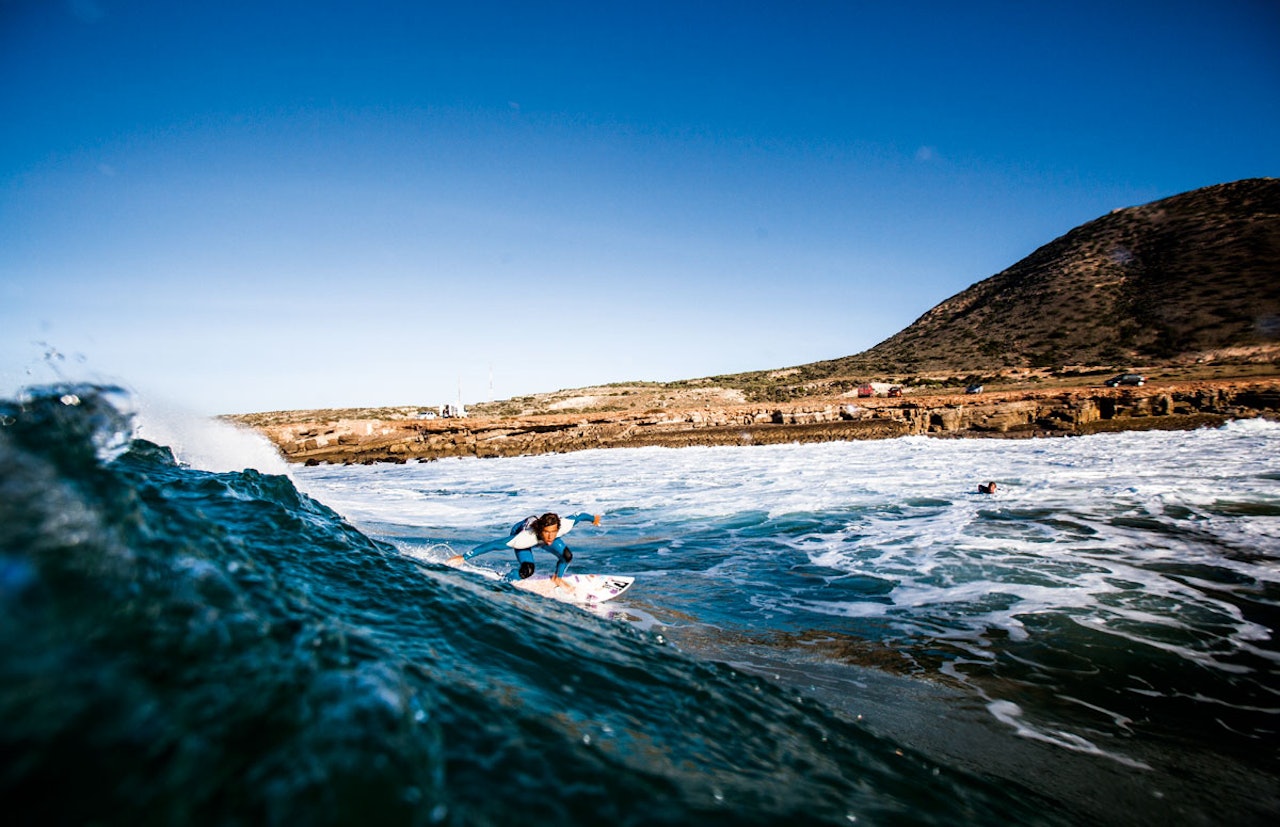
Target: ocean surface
[846,633]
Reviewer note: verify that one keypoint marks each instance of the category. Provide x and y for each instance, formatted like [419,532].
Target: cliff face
[1023,413]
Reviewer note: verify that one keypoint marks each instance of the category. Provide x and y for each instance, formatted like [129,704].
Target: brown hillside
[1185,288]
[1168,282]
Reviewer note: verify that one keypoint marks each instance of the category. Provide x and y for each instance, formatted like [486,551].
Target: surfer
[987,488]
[531,533]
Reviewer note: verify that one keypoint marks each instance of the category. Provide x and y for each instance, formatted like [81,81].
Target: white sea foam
[204,443]
[1151,540]
[1011,715]
[1101,530]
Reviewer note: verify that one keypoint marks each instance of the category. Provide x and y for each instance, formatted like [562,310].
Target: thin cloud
[86,11]
[927,154]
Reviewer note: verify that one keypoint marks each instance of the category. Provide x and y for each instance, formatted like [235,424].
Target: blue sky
[258,206]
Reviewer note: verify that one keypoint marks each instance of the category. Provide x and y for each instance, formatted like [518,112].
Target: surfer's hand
[595,520]
[454,560]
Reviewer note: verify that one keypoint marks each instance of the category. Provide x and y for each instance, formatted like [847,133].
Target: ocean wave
[195,646]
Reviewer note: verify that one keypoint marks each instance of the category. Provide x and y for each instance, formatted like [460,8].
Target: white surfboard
[576,588]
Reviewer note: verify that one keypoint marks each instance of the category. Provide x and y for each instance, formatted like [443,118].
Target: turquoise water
[826,634]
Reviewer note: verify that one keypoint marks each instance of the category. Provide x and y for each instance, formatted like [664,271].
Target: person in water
[543,533]
[987,487]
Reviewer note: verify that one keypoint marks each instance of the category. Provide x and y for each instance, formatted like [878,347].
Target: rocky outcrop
[1012,414]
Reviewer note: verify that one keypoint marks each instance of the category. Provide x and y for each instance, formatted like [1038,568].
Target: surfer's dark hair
[545,521]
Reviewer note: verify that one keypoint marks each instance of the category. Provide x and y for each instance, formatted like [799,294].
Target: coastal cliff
[339,437]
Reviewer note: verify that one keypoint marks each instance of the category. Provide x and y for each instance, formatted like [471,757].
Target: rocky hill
[1190,278]
[1185,289]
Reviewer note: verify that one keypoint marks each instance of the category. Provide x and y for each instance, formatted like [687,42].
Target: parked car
[866,390]
[973,389]
[1136,380]
[896,390]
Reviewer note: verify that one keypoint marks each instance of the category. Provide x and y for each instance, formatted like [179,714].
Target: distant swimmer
[531,533]
[986,488]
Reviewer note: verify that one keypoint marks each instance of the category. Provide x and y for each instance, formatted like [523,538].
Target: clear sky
[249,206]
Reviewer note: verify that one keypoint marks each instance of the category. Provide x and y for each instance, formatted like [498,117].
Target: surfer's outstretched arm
[567,523]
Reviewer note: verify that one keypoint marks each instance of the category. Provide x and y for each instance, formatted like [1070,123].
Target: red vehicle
[896,390]
[866,390]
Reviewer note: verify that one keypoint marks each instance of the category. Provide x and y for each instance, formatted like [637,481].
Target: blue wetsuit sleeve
[492,545]
[557,548]
[567,523]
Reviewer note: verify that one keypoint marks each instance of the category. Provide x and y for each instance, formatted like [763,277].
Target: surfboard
[586,589]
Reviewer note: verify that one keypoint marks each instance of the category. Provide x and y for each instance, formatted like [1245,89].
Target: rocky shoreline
[1009,414]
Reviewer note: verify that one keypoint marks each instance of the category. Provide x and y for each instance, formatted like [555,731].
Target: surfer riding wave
[543,533]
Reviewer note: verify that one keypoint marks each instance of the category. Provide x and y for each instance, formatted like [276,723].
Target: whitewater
[830,634]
